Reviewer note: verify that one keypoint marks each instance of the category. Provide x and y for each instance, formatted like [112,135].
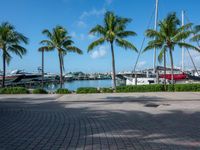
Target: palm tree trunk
[61,71]
[4,68]
[113,66]
[165,71]
[42,68]
[172,66]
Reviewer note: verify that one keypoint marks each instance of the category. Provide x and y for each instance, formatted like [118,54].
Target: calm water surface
[82,83]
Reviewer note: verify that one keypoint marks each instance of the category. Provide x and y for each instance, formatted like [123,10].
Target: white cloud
[82,36]
[93,12]
[99,53]
[81,24]
[141,64]
[91,37]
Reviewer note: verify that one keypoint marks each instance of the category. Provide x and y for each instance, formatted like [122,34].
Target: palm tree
[10,42]
[58,39]
[42,51]
[113,31]
[170,34]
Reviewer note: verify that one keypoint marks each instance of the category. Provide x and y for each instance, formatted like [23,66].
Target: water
[82,83]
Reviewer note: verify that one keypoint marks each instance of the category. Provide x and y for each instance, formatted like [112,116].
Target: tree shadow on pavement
[66,125]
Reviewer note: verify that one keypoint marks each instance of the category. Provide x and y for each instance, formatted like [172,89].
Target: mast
[155,28]
[183,50]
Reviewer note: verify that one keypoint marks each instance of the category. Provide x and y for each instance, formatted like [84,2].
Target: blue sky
[32,16]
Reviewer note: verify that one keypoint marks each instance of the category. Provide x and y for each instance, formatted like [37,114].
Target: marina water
[73,85]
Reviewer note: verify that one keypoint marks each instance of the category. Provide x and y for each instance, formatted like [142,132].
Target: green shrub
[85,90]
[140,88]
[39,91]
[187,87]
[106,90]
[63,91]
[14,90]
[170,88]
[159,88]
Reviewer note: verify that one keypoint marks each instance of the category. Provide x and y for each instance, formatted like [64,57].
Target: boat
[51,77]
[11,78]
[69,77]
[26,77]
[136,78]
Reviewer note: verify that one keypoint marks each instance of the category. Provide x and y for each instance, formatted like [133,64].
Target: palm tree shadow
[94,127]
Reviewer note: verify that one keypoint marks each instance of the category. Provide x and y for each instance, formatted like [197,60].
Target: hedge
[140,88]
[184,88]
[39,91]
[86,90]
[14,90]
[63,91]
[159,88]
[106,90]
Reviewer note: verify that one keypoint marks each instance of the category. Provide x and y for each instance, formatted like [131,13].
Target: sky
[30,17]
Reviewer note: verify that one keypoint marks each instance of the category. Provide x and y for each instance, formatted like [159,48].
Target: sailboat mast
[155,28]
[183,50]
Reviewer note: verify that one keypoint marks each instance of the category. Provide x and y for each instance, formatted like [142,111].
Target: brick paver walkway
[111,122]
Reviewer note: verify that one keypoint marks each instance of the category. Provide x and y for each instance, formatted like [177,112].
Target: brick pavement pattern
[100,122]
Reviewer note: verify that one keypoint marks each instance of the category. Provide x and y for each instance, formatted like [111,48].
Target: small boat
[69,77]
[50,77]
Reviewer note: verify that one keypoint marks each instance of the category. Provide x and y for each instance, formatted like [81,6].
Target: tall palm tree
[113,31]
[58,39]
[170,34]
[10,42]
[42,51]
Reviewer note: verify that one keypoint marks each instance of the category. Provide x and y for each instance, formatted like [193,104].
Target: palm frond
[181,36]
[125,34]
[47,33]
[195,38]
[21,38]
[46,48]
[152,33]
[125,44]
[67,43]
[46,42]
[185,27]
[74,49]
[188,46]
[98,29]
[160,56]
[18,50]
[95,44]
[8,57]
[197,29]
[154,44]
